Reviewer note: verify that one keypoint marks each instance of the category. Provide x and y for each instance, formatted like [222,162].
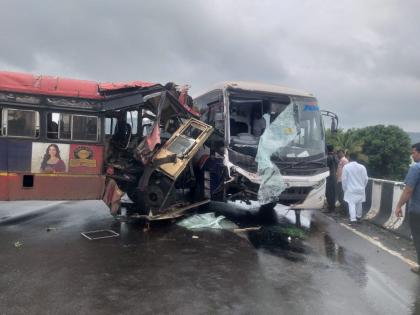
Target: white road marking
[380,245]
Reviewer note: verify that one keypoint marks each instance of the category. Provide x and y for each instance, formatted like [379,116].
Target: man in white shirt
[354,180]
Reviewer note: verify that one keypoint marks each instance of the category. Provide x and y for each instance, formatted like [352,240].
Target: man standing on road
[411,194]
[340,193]
[354,180]
[331,191]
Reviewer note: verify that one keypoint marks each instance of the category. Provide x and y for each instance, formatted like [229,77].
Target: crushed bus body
[66,139]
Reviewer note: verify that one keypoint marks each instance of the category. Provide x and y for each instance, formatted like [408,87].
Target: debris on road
[99,234]
[255,228]
[18,244]
[207,220]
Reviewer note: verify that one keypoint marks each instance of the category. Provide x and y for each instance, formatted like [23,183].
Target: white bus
[271,143]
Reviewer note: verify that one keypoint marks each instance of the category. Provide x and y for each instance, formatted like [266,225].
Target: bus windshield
[308,137]
[287,127]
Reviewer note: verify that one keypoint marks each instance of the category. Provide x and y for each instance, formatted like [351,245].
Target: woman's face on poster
[52,151]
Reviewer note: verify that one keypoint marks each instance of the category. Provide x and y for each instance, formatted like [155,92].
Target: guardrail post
[398,225]
[375,199]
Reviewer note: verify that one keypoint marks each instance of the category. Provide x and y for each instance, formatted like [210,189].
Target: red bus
[64,139]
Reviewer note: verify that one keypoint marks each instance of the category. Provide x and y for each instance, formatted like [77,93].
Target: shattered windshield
[293,131]
[293,125]
[308,130]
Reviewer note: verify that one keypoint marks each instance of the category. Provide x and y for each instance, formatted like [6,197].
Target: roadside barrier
[383,200]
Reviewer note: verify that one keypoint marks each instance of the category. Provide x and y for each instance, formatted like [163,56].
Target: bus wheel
[153,197]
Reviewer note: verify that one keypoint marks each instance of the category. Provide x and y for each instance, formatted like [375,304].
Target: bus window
[216,116]
[72,127]
[110,123]
[65,126]
[202,103]
[22,123]
[85,128]
[132,118]
[53,120]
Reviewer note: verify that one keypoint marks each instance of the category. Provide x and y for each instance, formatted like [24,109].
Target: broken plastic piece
[206,220]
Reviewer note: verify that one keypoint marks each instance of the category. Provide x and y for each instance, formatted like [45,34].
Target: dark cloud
[359,58]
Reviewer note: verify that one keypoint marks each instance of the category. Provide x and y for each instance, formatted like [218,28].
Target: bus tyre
[154,195]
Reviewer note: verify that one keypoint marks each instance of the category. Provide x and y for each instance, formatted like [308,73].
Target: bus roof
[58,86]
[259,87]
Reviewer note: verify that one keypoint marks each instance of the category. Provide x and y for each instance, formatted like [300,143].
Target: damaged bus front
[153,142]
[272,143]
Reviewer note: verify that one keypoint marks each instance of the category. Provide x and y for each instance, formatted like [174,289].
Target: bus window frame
[72,114]
[5,123]
[97,127]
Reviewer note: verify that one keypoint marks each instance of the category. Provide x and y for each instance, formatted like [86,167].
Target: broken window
[216,116]
[203,103]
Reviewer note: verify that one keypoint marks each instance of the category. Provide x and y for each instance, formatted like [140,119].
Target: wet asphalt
[48,267]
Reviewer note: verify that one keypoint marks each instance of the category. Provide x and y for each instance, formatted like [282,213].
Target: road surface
[328,267]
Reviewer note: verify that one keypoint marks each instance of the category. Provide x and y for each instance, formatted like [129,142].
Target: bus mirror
[333,126]
[334,119]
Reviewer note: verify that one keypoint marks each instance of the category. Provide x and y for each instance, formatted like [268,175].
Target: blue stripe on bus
[311,108]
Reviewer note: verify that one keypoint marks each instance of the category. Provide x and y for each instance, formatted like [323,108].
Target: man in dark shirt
[411,194]
[331,192]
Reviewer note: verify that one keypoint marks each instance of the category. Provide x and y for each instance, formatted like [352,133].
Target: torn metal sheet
[207,221]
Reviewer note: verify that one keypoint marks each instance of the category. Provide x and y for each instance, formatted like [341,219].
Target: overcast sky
[360,58]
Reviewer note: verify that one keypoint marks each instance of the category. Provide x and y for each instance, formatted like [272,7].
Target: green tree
[348,141]
[388,151]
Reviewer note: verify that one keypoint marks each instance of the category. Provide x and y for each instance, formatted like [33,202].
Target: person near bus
[52,162]
[411,195]
[330,191]
[342,160]
[354,180]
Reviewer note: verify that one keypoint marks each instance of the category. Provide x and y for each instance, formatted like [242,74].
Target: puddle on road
[351,263]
